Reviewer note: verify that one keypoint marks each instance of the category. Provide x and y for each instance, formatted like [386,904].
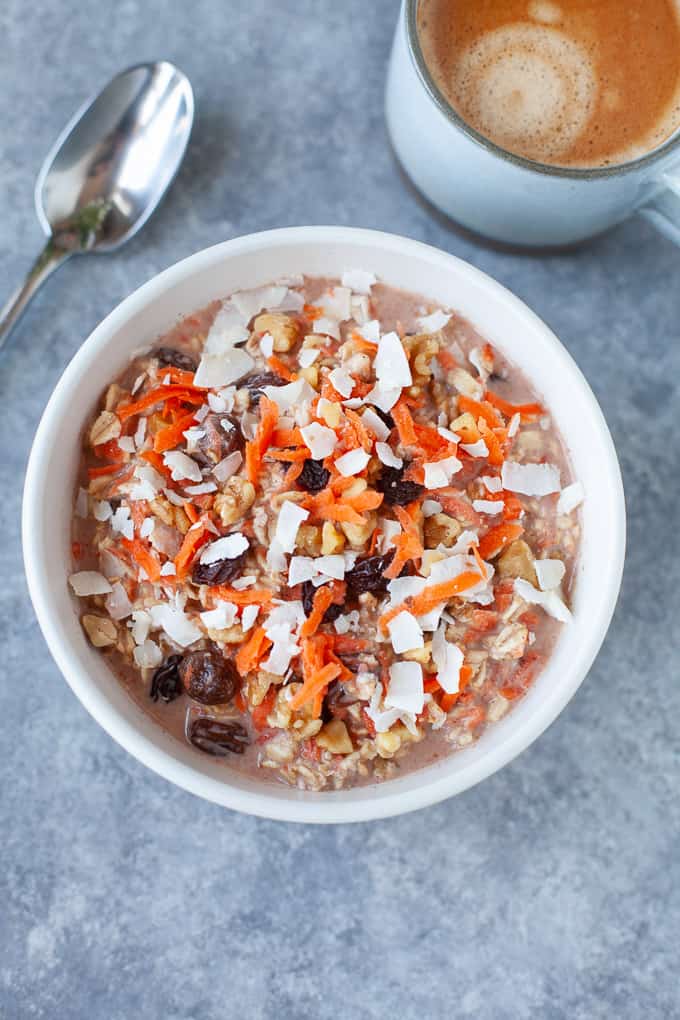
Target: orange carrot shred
[251,653]
[404,422]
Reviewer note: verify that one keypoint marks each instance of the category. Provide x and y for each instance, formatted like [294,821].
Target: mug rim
[547,169]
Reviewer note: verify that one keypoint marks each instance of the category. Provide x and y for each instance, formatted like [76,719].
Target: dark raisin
[166,683]
[367,574]
[336,702]
[391,483]
[308,592]
[314,476]
[385,416]
[218,738]
[177,359]
[208,677]
[219,572]
[219,440]
[256,381]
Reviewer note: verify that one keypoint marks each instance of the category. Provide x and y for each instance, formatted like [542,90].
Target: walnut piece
[517,561]
[335,738]
[441,529]
[282,329]
[105,428]
[101,630]
[235,500]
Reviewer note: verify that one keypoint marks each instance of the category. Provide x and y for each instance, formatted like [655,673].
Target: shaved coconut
[391,364]
[549,600]
[126,444]
[121,523]
[438,473]
[289,614]
[434,322]
[289,396]
[478,449]
[217,403]
[347,622]
[514,425]
[308,356]
[360,308]
[389,529]
[292,302]
[137,383]
[140,433]
[383,398]
[374,423]
[168,569]
[146,527]
[147,655]
[301,569]
[82,503]
[217,370]
[102,510]
[275,559]
[182,466]
[243,582]
[249,423]
[117,603]
[406,687]
[342,381]
[448,658]
[405,633]
[319,440]
[230,327]
[465,541]
[111,566]
[227,548]
[402,588]
[530,479]
[267,345]
[476,358]
[382,720]
[280,656]
[430,507]
[228,467]
[370,331]
[201,490]
[331,565]
[327,327]
[570,497]
[488,506]
[387,456]
[175,623]
[248,617]
[352,463]
[491,484]
[289,520]
[336,304]
[141,625]
[549,573]
[359,280]
[89,582]
[249,302]
[448,435]
[173,497]
[221,617]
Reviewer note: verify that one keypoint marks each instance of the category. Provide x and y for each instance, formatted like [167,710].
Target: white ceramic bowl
[248,262]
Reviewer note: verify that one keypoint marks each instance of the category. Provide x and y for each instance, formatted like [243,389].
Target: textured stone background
[552,890]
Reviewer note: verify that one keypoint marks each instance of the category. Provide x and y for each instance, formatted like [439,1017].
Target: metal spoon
[108,170]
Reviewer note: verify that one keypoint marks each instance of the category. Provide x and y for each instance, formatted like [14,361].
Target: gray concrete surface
[550,891]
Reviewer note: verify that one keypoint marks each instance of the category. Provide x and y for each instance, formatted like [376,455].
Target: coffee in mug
[571,83]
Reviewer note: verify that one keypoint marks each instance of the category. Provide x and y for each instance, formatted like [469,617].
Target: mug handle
[663,210]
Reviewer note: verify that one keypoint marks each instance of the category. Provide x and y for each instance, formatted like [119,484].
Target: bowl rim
[324,807]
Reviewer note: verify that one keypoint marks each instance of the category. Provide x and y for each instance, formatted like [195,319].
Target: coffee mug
[504,196]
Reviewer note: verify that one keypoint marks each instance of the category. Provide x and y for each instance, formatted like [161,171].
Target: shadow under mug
[504,196]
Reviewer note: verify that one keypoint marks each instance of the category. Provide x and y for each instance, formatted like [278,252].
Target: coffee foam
[527,85]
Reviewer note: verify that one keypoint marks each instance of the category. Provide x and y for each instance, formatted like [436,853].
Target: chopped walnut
[235,500]
[282,329]
[517,561]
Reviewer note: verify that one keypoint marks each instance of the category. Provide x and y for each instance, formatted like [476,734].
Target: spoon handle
[49,259]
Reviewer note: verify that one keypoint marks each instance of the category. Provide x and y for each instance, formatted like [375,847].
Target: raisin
[395,490]
[219,572]
[385,416]
[336,702]
[166,683]
[208,677]
[217,440]
[314,476]
[177,359]
[256,381]
[367,574]
[218,738]
[308,592]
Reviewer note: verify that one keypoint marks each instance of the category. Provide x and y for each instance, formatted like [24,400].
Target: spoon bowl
[108,170]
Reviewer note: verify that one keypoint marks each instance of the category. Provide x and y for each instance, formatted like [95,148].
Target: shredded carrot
[322,600]
[281,368]
[109,451]
[408,544]
[252,652]
[291,475]
[158,396]
[179,377]
[289,456]
[156,461]
[362,435]
[260,712]
[375,538]
[514,507]
[255,449]
[346,644]
[191,512]
[193,540]
[431,597]
[173,435]
[493,444]
[143,557]
[363,346]
[315,684]
[312,313]
[478,410]
[105,469]
[404,422]
[287,437]
[447,702]
[508,409]
[245,596]
[497,538]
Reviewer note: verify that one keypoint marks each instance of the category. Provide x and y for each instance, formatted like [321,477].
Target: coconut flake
[140,626]
[291,395]
[352,463]
[405,691]
[267,345]
[216,370]
[359,280]
[383,399]
[117,603]
[228,467]
[430,507]
[181,466]
[434,322]
[336,303]
[405,633]
[448,658]
[319,440]
[549,573]
[342,381]
[229,327]
[381,719]
[147,655]
[102,510]
[221,617]
[327,327]
[491,483]
[549,600]
[478,449]
[570,497]
[308,356]
[126,444]
[89,582]
[387,456]
[121,523]
[168,569]
[147,526]
[289,520]
[370,331]
[201,490]
[447,434]
[227,548]
[438,473]
[173,497]
[514,425]
[248,617]
[175,623]
[374,423]
[488,506]
[249,302]
[391,364]
[301,569]
[530,479]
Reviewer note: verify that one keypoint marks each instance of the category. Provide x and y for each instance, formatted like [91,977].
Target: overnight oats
[324,532]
